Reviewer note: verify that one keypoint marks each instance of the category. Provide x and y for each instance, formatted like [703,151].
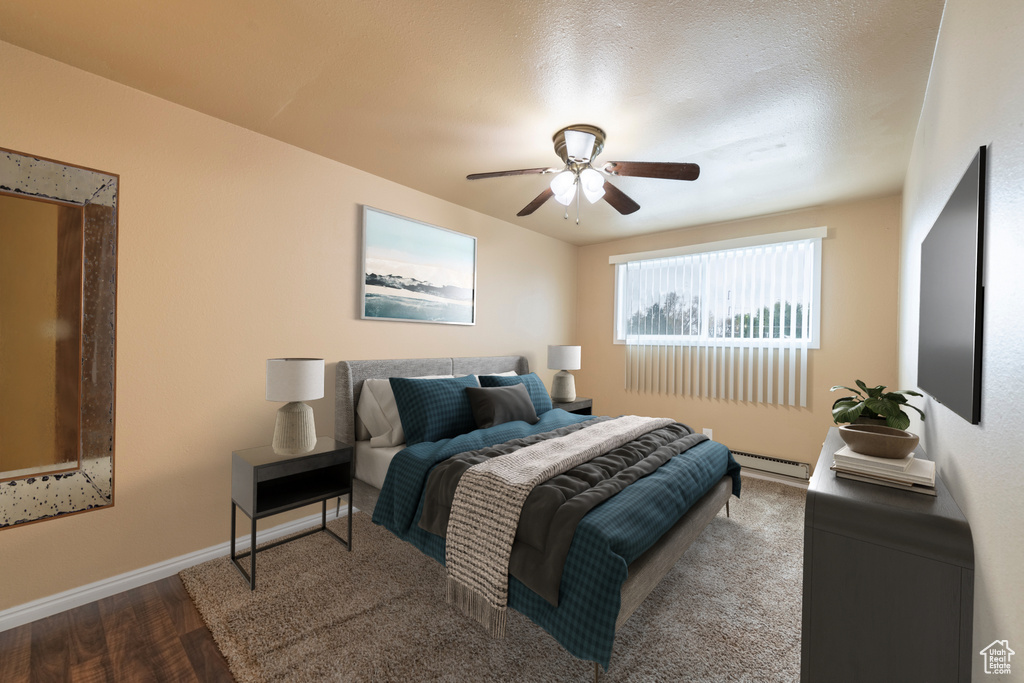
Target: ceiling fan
[578,145]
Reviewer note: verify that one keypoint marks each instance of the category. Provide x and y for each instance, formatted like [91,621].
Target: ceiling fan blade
[535,204]
[619,200]
[499,174]
[653,169]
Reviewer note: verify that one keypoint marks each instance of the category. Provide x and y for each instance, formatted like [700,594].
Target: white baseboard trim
[83,595]
[780,478]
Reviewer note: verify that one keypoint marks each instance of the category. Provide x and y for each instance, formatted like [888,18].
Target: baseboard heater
[764,463]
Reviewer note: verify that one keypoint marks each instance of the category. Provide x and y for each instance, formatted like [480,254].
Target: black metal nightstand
[581,406]
[265,483]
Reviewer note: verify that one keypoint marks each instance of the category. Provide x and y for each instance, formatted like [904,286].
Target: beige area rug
[728,611]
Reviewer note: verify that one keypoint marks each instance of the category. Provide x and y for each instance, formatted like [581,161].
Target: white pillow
[510,373]
[378,412]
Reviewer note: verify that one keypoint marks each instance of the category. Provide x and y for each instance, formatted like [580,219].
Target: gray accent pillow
[538,392]
[498,405]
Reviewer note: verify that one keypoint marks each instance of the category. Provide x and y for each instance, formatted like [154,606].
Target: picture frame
[416,272]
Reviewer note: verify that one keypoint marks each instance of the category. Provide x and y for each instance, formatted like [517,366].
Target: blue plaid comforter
[607,540]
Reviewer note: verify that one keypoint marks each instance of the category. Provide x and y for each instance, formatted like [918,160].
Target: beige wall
[975,97]
[234,248]
[28,314]
[858,328]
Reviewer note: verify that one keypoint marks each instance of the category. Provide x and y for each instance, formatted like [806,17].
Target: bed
[585,619]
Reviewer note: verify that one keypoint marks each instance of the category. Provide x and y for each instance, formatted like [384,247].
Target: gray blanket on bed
[553,509]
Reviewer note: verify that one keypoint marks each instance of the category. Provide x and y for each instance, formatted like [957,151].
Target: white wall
[976,97]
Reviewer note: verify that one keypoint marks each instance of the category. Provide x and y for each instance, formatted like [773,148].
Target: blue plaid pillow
[433,409]
[538,392]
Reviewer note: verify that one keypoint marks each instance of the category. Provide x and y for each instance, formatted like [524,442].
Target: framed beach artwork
[417,272]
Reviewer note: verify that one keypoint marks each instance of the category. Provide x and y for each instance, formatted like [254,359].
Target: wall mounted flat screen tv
[952,298]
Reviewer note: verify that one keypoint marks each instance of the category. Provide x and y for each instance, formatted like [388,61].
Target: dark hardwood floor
[150,633]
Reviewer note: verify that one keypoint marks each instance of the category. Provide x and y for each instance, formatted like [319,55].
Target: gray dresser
[888,582]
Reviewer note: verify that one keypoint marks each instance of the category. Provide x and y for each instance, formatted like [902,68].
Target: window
[757,295]
[731,319]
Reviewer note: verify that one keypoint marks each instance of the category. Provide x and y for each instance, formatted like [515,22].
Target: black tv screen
[952,298]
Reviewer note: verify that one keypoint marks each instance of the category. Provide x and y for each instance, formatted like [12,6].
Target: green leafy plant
[874,402]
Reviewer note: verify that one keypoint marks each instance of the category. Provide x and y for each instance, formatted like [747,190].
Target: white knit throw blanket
[489,499]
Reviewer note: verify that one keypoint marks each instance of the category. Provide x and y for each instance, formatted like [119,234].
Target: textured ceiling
[783,104]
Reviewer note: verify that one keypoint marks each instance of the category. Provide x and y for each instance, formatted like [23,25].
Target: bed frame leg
[726,508]
[597,671]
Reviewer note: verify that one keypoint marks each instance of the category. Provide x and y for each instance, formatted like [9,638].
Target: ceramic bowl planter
[881,442]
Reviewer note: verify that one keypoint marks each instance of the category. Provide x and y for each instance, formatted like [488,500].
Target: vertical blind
[734,324]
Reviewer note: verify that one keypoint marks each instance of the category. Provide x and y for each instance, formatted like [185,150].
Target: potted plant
[874,405]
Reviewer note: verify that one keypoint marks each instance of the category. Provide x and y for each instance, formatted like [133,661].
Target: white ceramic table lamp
[563,359]
[294,380]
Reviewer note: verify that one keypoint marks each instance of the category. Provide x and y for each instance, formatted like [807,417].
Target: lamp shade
[592,184]
[295,379]
[563,186]
[563,358]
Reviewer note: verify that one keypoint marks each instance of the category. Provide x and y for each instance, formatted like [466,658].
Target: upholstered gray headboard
[351,373]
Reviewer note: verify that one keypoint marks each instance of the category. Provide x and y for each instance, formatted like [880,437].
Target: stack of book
[909,473]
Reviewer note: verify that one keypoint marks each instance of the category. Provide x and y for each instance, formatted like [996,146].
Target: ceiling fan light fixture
[563,186]
[592,184]
[579,146]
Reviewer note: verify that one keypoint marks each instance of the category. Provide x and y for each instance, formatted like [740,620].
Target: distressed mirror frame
[92,195]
